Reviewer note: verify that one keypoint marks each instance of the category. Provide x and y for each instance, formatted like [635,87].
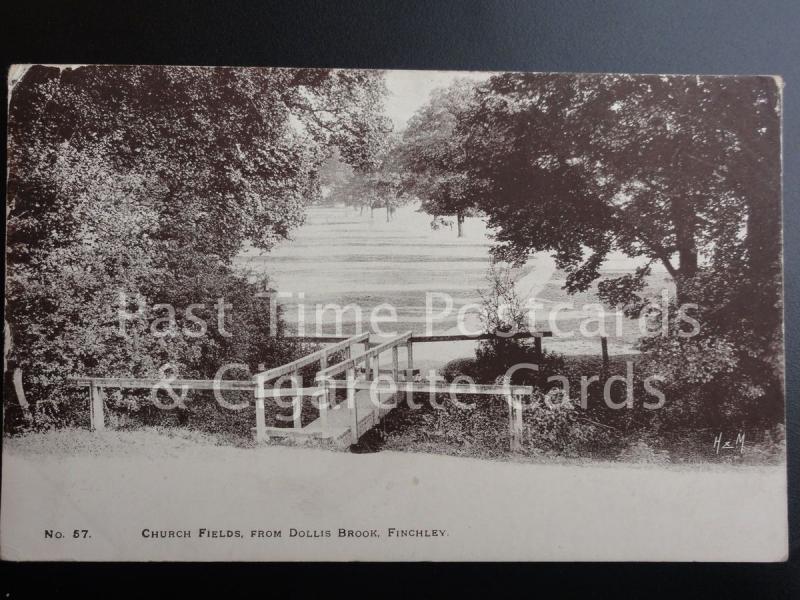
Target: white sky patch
[410,90]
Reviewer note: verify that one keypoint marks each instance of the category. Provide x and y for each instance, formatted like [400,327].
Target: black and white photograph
[311,314]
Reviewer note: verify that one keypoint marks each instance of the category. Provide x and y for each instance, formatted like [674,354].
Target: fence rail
[97,421]
[475,389]
[401,380]
[151,383]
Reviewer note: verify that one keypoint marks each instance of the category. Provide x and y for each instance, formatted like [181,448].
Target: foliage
[553,423]
[503,310]
[662,168]
[378,186]
[146,181]
[432,155]
[460,367]
[641,451]
[683,172]
[333,177]
[479,425]
[504,314]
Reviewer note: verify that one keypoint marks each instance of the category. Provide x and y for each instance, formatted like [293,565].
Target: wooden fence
[351,365]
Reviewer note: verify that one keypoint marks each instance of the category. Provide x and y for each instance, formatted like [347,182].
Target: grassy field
[343,257]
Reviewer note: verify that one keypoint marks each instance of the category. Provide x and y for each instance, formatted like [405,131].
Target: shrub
[467,367]
[82,338]
[479,426]
[552,423]
[641,451]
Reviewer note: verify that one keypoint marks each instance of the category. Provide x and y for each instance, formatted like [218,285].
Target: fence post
[261,423]
[97,419]
[91,407]
[537,347]
[352,405]
[297,404]
[516,424]
[325,403]
[395,364]
[510,399]
[410,357]
[322,399]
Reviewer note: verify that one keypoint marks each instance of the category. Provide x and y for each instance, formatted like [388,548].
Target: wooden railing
[320,356]
[521,335]
[97,384]
[327,385]
[297,390]
[371,370]
[368,356]
[514,394]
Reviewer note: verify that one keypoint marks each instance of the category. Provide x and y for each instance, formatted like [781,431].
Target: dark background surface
[640,37]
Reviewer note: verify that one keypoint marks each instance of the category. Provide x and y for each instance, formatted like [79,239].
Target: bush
[83,339]
[552,423]
[459,367]
[479,426]
[641,451]
[495,358]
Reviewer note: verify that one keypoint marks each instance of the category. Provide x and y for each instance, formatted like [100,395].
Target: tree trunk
[687,269]
[460,221]
[684,222]
[762,304]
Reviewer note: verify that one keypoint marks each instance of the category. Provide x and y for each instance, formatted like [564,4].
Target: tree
[333,177]
[218,145]
[147,180]
[681,171]
[386,179]
[376,186]
[432,155]
[656,167]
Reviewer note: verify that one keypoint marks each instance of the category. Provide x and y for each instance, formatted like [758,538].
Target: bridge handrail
[449,337]
[444,337]
[473,389]
[350,363]
[270,374]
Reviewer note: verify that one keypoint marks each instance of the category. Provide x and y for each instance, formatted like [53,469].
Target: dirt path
[127,482]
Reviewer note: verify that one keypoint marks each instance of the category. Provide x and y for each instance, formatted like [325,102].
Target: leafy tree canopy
[147,180]
[432,154]
[681,172]
[676,170]
[380,185]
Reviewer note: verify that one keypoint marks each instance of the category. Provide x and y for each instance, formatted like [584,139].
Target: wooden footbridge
[353,365]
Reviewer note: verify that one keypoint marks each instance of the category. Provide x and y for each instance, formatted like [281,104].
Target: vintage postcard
[273,314]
